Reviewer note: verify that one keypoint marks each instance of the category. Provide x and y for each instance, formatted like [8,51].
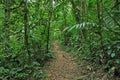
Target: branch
[116,32]
[115,5]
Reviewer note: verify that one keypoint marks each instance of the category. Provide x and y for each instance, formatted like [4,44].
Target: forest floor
[65,67]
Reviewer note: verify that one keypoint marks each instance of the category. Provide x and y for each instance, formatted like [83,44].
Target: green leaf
[109,52]
[1,57]
[117,61]
[113,55]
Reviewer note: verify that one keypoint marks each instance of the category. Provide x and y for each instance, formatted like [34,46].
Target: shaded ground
[64,67]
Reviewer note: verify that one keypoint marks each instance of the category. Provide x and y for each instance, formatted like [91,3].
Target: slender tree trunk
[26,27]
[48,33]
[65,24]
[48,26]
[6,25]
[83,18]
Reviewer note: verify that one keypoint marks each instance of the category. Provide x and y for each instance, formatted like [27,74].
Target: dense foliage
[91,27]
[24,39]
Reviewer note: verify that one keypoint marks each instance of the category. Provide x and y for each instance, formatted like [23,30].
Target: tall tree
[26,26]
[50,9]
[83,3]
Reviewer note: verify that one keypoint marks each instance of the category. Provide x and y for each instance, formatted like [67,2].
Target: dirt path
[62,67]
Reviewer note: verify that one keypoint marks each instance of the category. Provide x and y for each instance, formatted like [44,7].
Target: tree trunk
[83,18]
[65,25]
[48,26]
[6,25]
[26,27]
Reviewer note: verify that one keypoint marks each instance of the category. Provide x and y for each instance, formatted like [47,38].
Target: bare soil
[64,67]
